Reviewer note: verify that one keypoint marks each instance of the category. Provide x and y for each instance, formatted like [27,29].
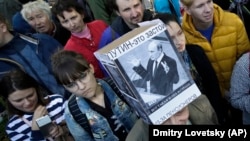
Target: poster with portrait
[151,73]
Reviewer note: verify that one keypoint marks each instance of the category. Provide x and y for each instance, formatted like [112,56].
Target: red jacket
[87,47]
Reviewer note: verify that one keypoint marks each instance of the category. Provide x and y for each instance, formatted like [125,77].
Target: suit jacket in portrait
[161,82]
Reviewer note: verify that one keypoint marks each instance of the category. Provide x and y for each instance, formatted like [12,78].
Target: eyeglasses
[83,78]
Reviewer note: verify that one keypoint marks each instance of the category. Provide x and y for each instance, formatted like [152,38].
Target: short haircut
[187,3]
[115,6]
[19,80]
[66,5]
[157,43]
[36,6]
[68,66]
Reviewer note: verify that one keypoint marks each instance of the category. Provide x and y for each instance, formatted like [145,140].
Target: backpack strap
[78,116]
[115,88]
[10,61]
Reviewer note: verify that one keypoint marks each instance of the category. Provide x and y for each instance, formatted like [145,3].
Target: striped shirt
[18,130]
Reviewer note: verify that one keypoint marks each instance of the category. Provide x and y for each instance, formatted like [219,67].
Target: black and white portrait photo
[154,69]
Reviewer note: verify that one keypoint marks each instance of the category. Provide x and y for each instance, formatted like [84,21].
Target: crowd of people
[48,66]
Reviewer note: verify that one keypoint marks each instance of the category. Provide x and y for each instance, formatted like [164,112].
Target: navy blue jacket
[33,55]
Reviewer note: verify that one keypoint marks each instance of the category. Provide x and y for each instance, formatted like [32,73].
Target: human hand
[39,112]
[117,122]
[165,66]
[134,61]
[56,131]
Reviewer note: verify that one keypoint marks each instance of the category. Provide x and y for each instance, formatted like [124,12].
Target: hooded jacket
[228,42]
[33,54]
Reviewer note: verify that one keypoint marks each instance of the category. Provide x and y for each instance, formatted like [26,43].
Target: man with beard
[130,13]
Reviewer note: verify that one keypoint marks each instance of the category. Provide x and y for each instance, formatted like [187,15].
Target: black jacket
[120,27]
[208,79]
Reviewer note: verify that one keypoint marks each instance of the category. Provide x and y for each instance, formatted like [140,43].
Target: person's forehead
[152,46]
[199,2]
[172,26]
[20,94]
[122,4]
[71,12]
[36,12]
[66,14]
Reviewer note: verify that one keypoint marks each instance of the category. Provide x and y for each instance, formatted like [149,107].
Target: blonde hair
[187,3]
[36,6]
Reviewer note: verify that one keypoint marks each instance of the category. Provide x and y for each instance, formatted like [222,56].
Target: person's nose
[177,41]
[133,12]
[207,8]
[172,120]
[71,23]
[26,101]
[80,84]
[37,21]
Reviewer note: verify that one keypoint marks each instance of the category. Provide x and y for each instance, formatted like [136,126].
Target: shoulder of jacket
[148,15]
[101,24]
[29,39]
[97,21]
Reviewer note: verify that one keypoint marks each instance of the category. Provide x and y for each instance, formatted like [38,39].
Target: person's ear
[91,68]
[187,10]
[117,13]
[82,15]
[3,27]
